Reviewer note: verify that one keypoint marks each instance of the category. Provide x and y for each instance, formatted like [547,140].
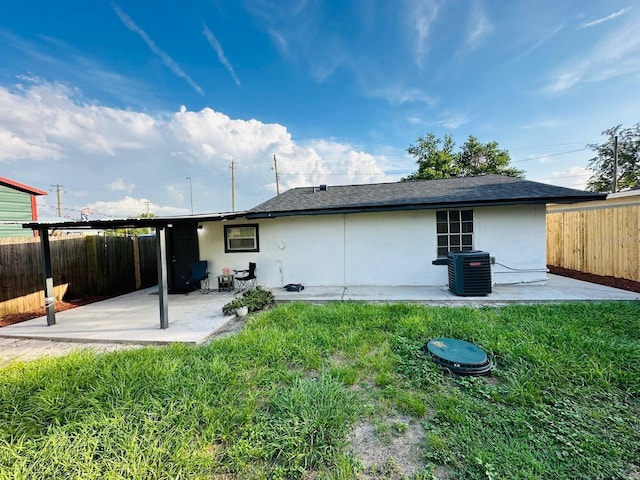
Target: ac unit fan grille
[469,273]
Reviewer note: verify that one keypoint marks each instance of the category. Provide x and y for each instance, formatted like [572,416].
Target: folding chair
[199,279]
[248,278]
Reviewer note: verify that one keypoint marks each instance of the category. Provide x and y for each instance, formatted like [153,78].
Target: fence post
[136,262]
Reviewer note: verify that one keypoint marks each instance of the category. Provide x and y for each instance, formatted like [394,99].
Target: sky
[129,107]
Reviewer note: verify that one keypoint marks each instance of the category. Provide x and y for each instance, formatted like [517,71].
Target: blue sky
[132,105]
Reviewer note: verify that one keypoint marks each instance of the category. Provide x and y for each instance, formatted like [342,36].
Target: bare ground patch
[390,450]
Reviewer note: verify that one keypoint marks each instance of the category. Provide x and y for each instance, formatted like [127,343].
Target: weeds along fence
[82,266]
[595,237]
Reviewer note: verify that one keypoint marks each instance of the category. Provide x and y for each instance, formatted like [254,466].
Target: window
[241,238]
[455,231]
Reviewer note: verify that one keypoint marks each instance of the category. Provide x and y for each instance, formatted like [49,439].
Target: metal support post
[163,289]
[47,276]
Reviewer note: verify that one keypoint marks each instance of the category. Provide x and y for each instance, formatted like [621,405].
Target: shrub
[255,298]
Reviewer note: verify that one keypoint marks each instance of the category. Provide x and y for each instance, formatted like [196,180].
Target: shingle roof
[484,190]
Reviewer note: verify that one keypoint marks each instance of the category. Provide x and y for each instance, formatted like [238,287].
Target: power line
[549,155]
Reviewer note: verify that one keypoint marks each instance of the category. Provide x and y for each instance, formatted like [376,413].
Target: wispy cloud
[166,59]
[616,55]
[422,15]
[453,121]
[548,35]
[280,41]
[605,19]
[479,27]
[215,44]
[399,95]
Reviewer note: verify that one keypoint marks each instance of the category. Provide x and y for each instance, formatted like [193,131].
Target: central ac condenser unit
[469,273]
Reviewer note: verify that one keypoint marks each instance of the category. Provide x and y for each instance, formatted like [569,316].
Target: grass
[278,399]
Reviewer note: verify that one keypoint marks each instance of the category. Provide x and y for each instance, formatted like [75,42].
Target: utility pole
[58,188]
[275,168]
[147,203]
[190,194]
[615,164]
[233,186]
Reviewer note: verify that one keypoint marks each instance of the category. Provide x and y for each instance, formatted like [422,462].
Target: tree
[433,162]
[477,158]
[436,158]
[628,160]
[128,232]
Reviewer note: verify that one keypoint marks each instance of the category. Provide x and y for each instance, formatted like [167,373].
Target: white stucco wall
[516,237]
[393,248]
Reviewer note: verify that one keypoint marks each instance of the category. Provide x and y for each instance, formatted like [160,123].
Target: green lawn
[281,398]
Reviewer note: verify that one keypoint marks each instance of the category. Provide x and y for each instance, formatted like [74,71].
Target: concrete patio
[134,318]
[557,289]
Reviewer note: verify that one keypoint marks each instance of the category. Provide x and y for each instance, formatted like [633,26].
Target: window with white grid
[454,229]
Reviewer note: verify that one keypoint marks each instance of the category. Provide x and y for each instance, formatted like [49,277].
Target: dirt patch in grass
[622,283]
[232,327]
[61,306]
[390,450]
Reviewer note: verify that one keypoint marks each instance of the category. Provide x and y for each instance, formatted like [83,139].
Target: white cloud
[452,120]
[42,118]
[215,44]
[616,55]
[114,160]
[131,207]
[280,41]
[15,146]
[421,15]
[479,28]
[69,62]
[120,185]
[572,177]
[166,59]
[398,94]
[607,18]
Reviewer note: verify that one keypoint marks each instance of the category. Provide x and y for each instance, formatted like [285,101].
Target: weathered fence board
[91,265]
[603,240]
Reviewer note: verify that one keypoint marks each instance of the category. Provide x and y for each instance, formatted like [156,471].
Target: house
[17,205]
[386,234]
[390,234]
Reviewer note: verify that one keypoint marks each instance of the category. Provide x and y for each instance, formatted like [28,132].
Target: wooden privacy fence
[82,266]
[601,240]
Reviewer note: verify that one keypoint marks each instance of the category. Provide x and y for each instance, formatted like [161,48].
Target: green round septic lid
[457,352]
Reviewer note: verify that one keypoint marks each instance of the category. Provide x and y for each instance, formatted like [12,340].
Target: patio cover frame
[160,224]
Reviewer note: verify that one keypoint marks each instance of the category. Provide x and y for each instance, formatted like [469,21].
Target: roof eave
[155,222]
[21,186]
[421,206]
